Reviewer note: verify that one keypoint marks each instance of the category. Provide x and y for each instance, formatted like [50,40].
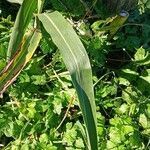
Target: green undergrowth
[41,110]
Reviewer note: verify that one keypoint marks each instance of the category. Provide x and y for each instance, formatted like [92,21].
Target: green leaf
[16,1]
[43,138]
[77,63]
[118,22]
[128,74]
[70,135]
[17,63]
[39,79]
[57,105]
[25,146]
[79,143]
[22,20]
[143,120]
[2,64]
[142,57]
[135,140]
[143,82]
[123,108]
[139,55]
[148,4]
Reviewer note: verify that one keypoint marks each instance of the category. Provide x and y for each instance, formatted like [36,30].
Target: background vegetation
[43,96]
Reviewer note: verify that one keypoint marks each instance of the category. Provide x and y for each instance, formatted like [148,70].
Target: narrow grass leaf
[22,21]
[19,60]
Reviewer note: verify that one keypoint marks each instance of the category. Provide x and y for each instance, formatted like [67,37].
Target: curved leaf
[77,63]
[16,1]
[19,60]
[23,18]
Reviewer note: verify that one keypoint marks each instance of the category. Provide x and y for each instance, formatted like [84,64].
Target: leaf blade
[77,63]
[20,59]
[22,20]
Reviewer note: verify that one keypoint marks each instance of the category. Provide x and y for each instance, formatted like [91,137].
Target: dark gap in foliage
[107,113]
[117,58]
[4,99]
[9,9]
[5,140]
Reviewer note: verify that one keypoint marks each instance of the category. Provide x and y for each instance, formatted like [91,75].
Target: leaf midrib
[65,42]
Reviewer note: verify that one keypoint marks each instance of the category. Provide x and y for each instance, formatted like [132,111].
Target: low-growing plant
[40,110]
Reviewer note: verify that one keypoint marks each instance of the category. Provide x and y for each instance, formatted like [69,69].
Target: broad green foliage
[144,4]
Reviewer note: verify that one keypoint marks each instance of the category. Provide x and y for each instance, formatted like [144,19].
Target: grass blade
[19,60]
[77,63]
[22,20]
